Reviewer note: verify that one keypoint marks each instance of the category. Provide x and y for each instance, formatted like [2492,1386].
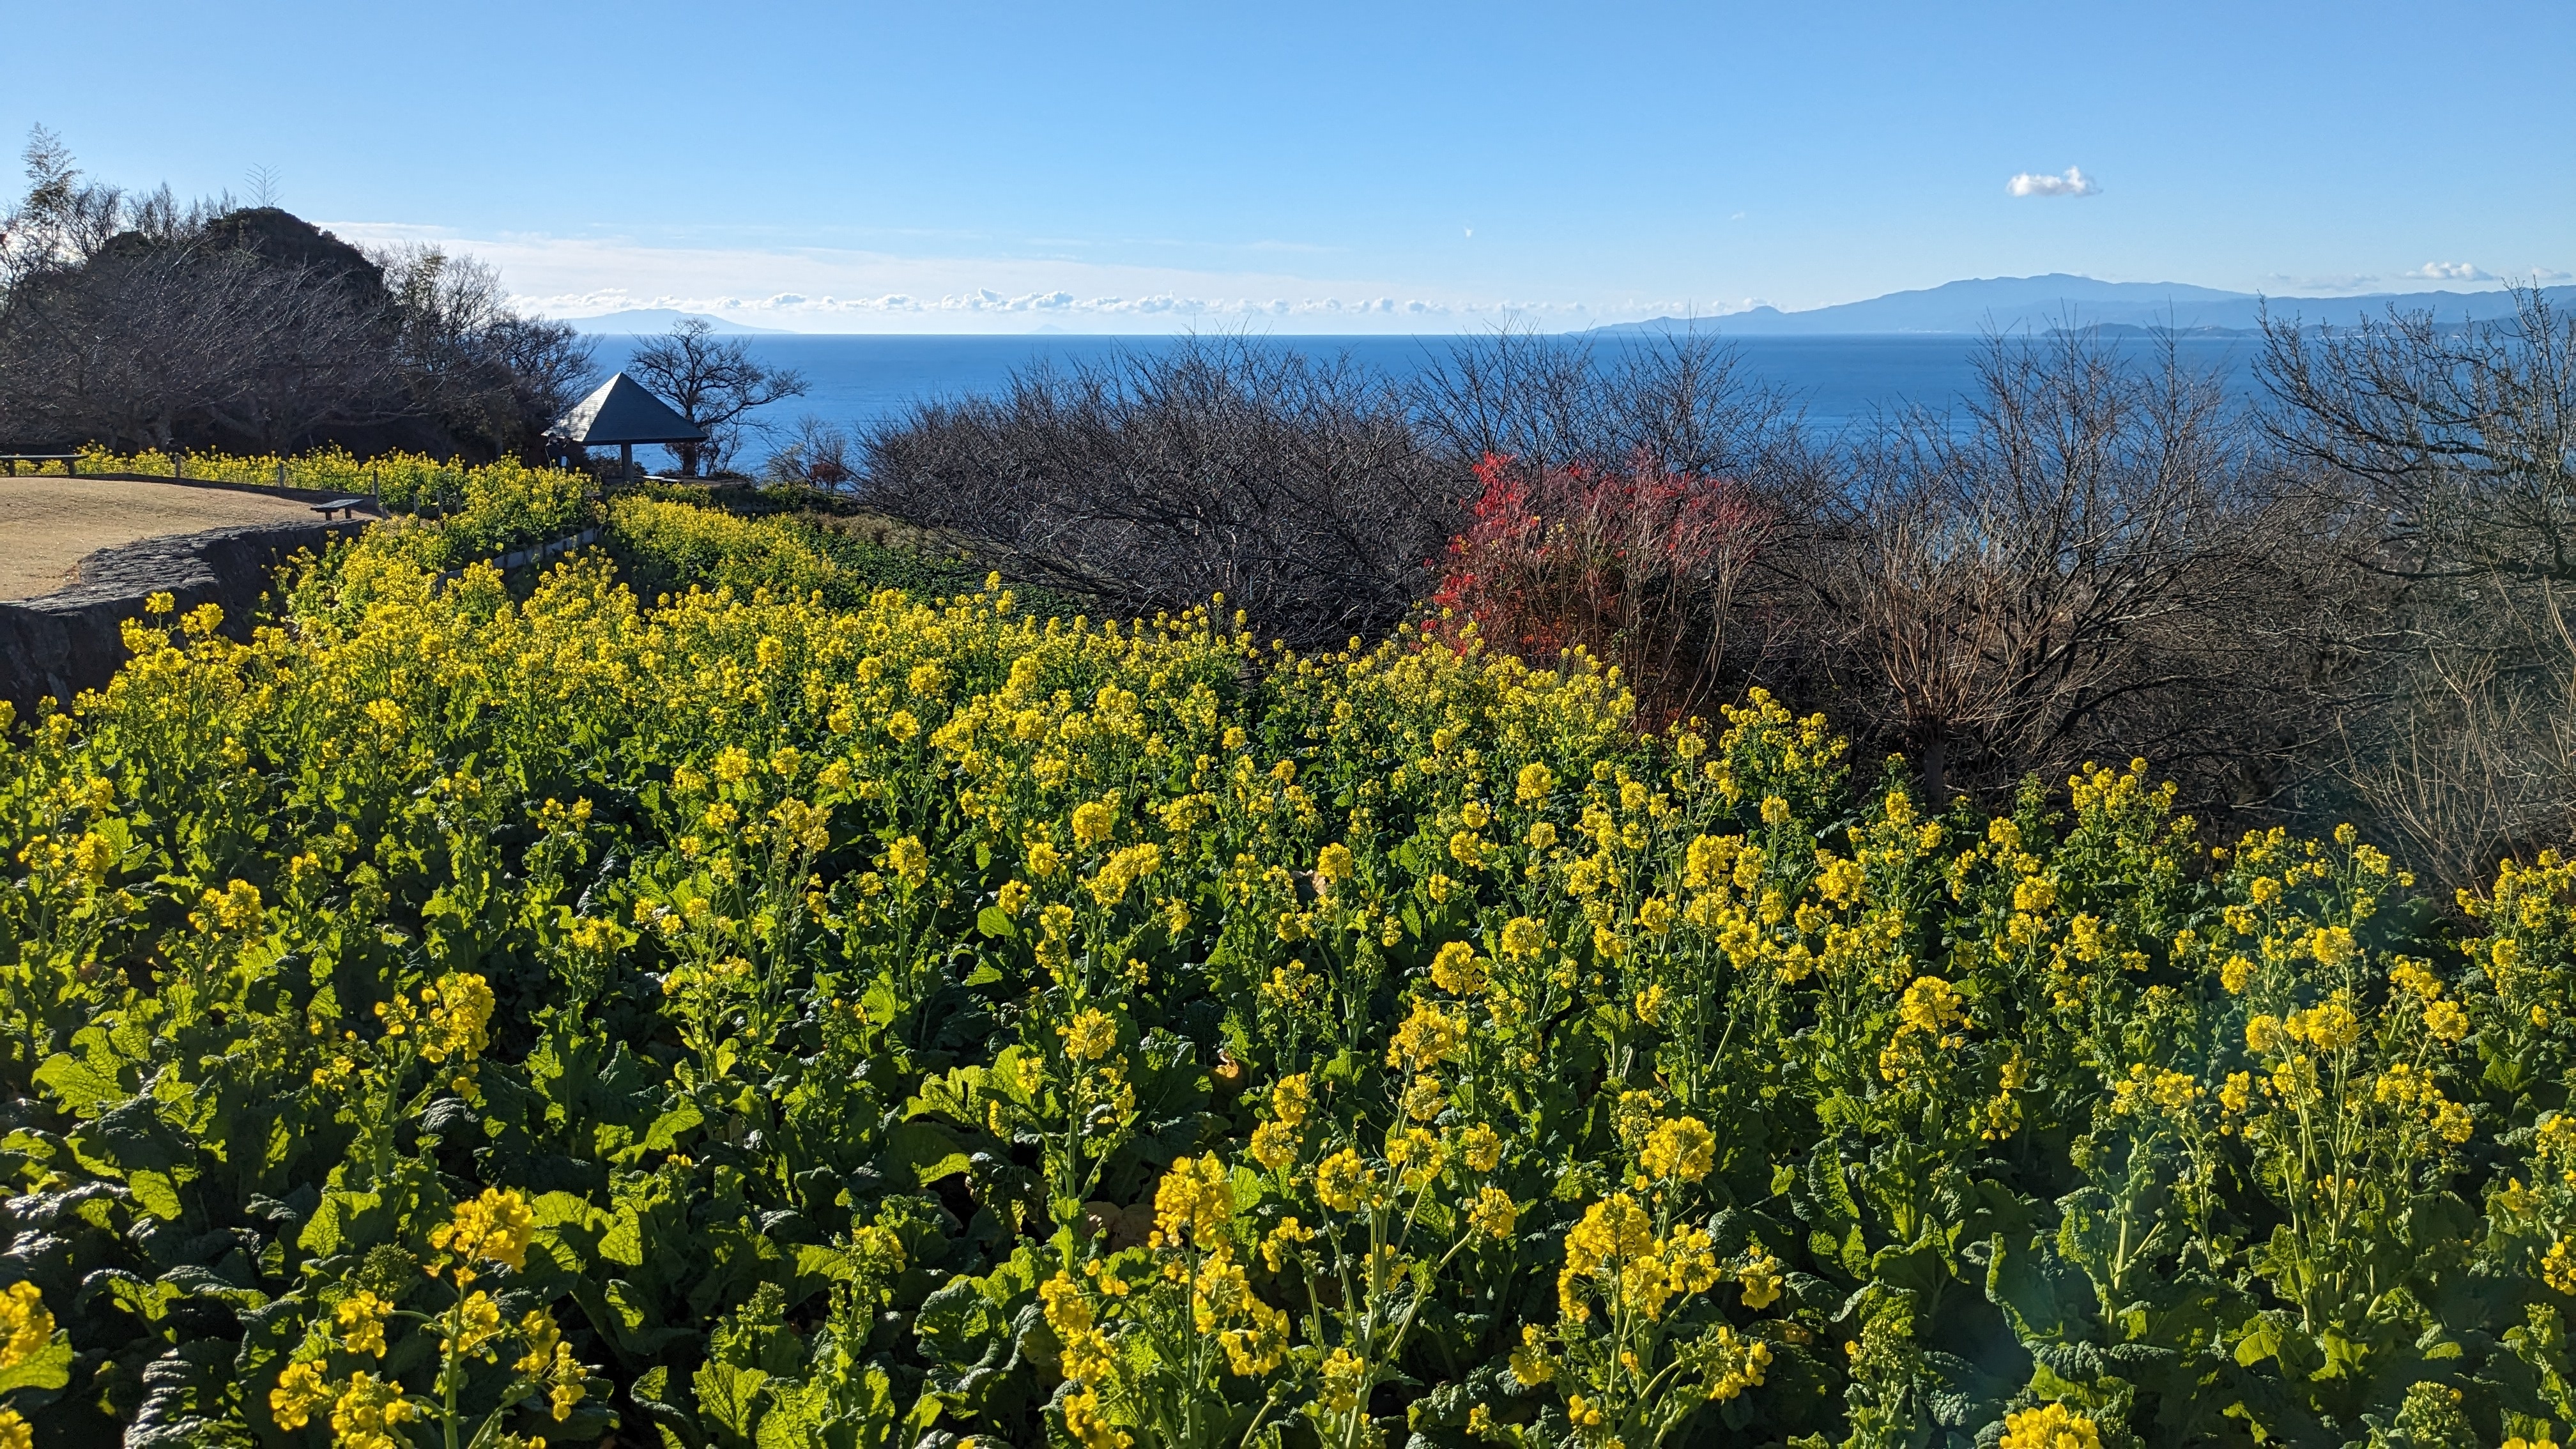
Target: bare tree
[2086,562]
[817,455]
[2451,452]
[1681,399]
[62,221]
[1296,487]
[469,359]
[713,383]
[546,367]
[1517,393]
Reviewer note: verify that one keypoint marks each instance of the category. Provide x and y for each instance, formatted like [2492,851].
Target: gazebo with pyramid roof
[623,412]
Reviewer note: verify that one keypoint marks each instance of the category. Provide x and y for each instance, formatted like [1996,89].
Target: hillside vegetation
[494,1012]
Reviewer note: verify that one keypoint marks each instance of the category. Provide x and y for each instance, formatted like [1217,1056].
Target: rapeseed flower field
[471,1013]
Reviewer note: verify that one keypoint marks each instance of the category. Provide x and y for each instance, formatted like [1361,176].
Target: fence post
[281,472]
[178,465]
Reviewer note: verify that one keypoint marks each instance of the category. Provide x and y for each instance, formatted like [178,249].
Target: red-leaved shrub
[1634,566]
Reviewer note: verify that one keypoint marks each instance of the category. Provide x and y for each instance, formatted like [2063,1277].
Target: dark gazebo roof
[623,412]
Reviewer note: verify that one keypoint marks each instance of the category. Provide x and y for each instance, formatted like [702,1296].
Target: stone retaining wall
[64,642]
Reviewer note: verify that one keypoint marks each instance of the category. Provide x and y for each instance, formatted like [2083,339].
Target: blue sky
[1344,167]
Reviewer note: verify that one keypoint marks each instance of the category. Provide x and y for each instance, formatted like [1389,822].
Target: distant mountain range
[639,320]
[2007,304]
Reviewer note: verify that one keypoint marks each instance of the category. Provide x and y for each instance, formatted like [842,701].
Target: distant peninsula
[2007,304]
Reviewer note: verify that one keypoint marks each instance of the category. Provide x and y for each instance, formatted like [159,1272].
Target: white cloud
[2451,272]
[2040,183]
[2548,274]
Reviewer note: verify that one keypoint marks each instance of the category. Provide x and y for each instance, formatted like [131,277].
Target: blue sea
[1838,382]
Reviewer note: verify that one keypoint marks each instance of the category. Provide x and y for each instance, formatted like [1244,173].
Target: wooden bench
[347,507]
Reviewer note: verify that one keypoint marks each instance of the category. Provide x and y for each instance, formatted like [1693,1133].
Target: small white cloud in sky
[2040,183]
[2548,274]
[2451,272]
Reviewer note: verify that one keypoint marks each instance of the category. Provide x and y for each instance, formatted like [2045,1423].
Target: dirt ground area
[47,525]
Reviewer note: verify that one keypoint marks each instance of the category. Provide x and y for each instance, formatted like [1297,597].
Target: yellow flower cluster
[1193,1203]
[361,1319]
[2147,1089]
[1343,1181]
[495,1227]
[1090,1036]
[1681,1150]
[2050,1426]
[1614,1255]
[1736,1363]
[1427,1038]
[237,907]
[26,1326]
[369,1411]
[1928,1017]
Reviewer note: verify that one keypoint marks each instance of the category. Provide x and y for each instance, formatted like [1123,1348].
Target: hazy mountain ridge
[2059,300]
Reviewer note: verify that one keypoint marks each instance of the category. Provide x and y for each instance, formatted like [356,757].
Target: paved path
[48,525]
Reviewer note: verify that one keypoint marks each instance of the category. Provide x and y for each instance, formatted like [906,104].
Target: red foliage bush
[1634,566]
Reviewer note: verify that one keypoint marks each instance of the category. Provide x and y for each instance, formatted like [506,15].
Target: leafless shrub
[1680,400]
[2088,563]
[1296,487]
[2451,453]
[816,455]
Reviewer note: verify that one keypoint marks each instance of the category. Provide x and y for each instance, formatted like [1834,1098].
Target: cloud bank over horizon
[824,290]
[842,290]
[984,301]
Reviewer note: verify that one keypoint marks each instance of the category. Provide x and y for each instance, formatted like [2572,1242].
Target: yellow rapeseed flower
[300,1392]
[26,1326]
[1342,1181]
[493,1228]
[1089,1036]
[1683,1150]
[368,1411]
[2050,1426]
[361,1317]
